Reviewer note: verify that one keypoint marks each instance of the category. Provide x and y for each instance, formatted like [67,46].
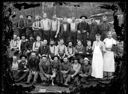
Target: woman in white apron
[109,62]
[97,59]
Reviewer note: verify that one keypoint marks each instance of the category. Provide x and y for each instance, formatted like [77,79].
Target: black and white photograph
[63,47]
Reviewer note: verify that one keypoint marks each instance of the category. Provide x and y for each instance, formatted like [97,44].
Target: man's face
[23,58]
[14,36]
[61,41]
[44,59]
[86,62]
[45,16]
[38,38]
[65,60]
[45,42]
[55,59]
[33,55]
[70,43]
[23,37]
[89,43]
[75,61]
[83,18]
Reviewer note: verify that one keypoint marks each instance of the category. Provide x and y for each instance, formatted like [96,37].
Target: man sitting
[73,73]
[45,69]
[33,63]
[85,71]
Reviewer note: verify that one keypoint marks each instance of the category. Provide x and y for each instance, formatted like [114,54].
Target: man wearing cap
[22,68]
[85,71]
[55,27]
[83,30]
[29,26]
[104,27]
[21,25]
[46,26]
[37,27]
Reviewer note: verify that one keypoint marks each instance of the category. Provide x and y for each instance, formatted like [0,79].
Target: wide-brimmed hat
[83,16]
[86,59]
[23,56]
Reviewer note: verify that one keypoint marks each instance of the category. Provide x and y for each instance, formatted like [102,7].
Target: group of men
[55,29]
[57,51]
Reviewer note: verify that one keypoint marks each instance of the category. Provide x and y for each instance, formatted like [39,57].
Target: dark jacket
[44,50]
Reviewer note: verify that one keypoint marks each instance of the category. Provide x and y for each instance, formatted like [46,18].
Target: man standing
[45,25]
[83,30]
[93,29]
[55,27]
[29,26]
[104,27]
[37,27]
[21,26]
[65,30]
[73,31]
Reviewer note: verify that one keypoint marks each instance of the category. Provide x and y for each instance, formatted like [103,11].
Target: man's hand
[79,31]
[84,31]
[56,36]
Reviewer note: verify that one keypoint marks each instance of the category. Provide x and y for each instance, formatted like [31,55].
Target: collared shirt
[36,25]
[65,27]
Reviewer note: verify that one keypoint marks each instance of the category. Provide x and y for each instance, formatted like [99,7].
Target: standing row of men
[56,29]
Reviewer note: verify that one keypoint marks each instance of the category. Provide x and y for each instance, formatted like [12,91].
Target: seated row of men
[25,46]
[56,71]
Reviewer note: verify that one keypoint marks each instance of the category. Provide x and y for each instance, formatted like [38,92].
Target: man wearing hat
[85,71]
[22,67]
[104,27]
[37,27]
[21,25]
[55,28]
[46,26]
[29,26]
[83,30]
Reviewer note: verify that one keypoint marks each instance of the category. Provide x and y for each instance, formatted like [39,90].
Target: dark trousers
[66,37]
[73,37]
[52,35]
[83,38]
[29,32]
[21,32]
[46,35]
[37,33]
[21,75]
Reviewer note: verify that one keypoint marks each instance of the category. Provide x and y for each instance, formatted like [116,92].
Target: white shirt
[15,66]
[65,27]
[54,25]
[53,49]
[73,26]
[109,42]
[45,24]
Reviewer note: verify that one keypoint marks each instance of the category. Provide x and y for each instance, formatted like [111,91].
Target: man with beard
[83,30]
[44,49]
[29,26]
[33,63]
[65,30]
[21,25]
[55,27]
[30,45]
[46,26]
